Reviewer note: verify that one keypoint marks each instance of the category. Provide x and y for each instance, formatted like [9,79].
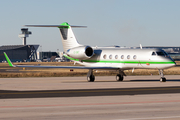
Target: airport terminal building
[19,53]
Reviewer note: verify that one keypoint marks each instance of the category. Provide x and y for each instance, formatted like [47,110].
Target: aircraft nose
[173,64]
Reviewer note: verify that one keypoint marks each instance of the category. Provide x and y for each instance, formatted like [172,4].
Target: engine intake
[81,52]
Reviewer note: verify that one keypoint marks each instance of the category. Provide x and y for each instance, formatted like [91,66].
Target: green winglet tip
[8,60]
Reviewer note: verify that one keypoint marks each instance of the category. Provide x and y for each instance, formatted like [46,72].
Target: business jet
[106,58]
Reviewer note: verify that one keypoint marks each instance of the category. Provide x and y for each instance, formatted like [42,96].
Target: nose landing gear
[162,79]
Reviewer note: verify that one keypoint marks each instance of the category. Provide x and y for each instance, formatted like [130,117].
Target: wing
[65,67]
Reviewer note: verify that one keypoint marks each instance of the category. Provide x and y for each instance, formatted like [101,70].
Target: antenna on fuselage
[140,46]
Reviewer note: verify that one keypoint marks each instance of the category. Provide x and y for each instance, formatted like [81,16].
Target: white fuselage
[128,59]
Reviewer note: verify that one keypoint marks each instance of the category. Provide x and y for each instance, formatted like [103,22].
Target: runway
[72,98]
[5,94]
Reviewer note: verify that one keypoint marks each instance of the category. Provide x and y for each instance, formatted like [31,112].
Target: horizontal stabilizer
[59,26]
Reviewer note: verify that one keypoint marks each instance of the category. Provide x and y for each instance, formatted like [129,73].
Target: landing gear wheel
[162,79]
[119,77]
[91,78]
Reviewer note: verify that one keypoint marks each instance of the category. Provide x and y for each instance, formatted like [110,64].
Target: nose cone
[174,63]
[168,63]
[171,64]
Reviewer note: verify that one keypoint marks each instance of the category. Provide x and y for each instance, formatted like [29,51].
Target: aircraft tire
[91,78]
[119,77]
[162,79]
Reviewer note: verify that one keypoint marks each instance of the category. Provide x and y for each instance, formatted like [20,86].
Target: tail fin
[68,39]
[67,36]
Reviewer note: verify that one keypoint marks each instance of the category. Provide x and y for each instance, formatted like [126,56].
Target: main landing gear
[120,76]
[162,79]
[91,77]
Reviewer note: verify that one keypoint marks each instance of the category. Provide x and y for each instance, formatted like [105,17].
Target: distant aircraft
[106,58]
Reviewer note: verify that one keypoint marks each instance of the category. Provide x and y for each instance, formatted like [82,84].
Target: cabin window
[153,53]
[128,57]
[110,57]
[134,57]
[116,57]
[104,56]
[122,56]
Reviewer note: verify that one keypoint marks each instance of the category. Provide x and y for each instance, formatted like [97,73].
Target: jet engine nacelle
[81,52]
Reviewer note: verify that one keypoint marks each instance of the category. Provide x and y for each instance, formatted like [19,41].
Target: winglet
[8,60]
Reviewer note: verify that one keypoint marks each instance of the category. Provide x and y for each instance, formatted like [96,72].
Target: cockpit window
[153,53]
[165,53]
[160,53]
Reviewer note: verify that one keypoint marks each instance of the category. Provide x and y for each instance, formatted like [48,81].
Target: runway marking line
[150,118]
[88,91]
[88,104]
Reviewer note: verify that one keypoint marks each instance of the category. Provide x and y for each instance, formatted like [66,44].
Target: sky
[109,22]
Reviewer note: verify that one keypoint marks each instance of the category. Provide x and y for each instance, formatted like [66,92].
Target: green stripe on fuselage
[71,58]
[127,62]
